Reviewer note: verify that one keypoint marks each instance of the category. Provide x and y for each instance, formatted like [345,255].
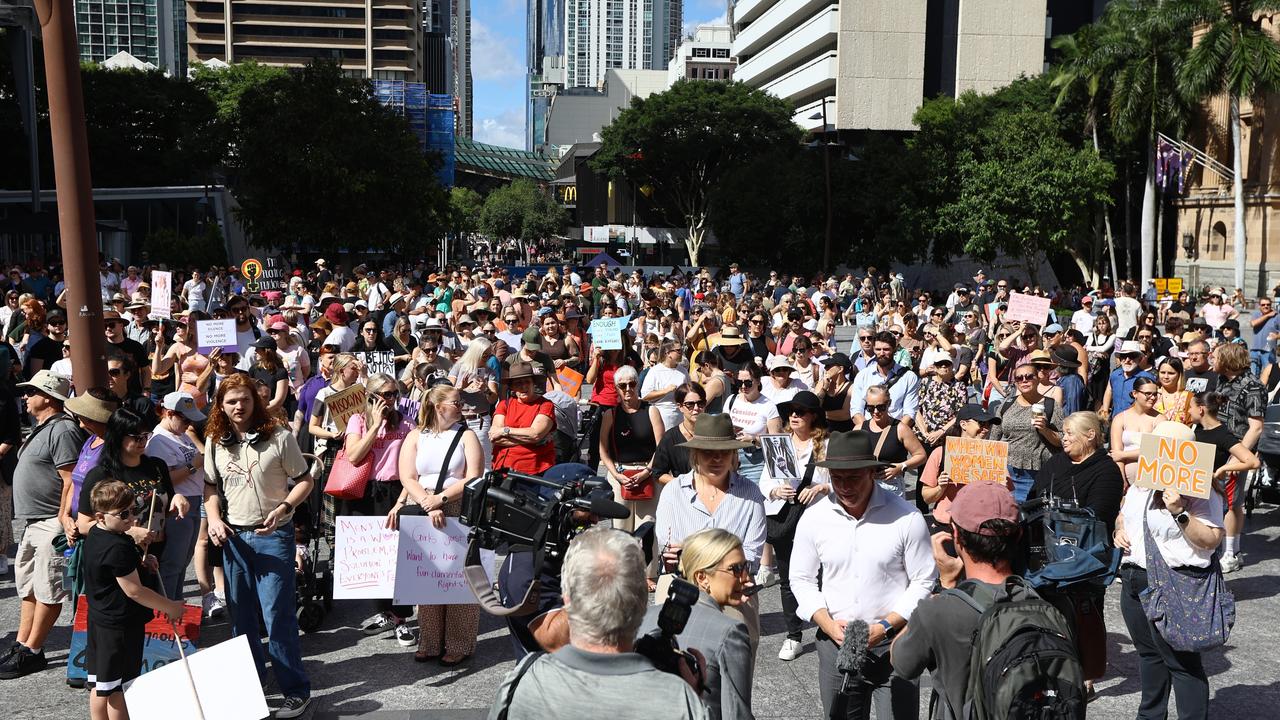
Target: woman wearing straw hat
[713,494]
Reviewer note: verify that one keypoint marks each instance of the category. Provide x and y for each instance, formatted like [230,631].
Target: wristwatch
[191,468]
[889,630]
[1183,518]
[506,431]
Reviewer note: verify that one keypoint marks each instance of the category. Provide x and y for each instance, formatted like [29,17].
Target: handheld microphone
[852,657]
[602,507]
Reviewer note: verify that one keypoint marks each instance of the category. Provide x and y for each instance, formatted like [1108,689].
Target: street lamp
[826,171]
[1189,245]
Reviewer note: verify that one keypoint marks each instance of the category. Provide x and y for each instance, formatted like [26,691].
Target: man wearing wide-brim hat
[44,468]
[874,554]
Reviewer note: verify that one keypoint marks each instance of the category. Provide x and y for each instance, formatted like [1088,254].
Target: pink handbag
[347,481]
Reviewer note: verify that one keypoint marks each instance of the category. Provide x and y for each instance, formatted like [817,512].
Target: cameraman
[597,674]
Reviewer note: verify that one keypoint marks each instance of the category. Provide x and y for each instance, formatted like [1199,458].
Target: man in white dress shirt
[874,553]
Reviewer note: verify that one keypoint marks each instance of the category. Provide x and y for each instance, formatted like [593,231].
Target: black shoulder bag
[416,509]
[782,526]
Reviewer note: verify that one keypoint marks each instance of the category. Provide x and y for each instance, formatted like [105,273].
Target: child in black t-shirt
[119,605]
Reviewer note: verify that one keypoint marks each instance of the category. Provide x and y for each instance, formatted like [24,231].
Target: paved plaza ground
[358,676]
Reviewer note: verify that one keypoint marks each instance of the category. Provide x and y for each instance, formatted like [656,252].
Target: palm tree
[1234,56]
[1145,44]
[1081,65]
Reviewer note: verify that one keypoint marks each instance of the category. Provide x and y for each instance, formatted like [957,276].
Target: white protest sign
[606,333]
[430,561]
[378,361]
[226,682]
[212,334]
[364,558]
[161,293]
[1027,308]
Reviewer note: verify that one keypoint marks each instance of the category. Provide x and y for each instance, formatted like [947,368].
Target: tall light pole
[75,190]
[826,172]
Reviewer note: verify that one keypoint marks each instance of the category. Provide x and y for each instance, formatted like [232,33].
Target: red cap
[979,502]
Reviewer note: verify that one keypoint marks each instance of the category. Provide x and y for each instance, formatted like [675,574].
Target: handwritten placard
[1182,465]
[570,381]
[378,361]
[606,333]
[226,687]
[216,334]
[161,294]
[970,460]
[430,561]
[1027,308]
[364,558]
[345,403]
[158,646]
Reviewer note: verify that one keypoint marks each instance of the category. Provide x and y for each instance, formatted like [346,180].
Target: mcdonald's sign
[567,194]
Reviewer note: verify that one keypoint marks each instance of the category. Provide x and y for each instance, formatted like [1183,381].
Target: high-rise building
[708,55]
[377,39]
[460,44]
[544,58]
[152,31]
[618,34]
[869,64]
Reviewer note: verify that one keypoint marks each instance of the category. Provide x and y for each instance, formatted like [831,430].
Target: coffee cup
[1037,410]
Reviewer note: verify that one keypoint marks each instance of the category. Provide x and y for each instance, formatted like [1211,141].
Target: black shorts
[113,657]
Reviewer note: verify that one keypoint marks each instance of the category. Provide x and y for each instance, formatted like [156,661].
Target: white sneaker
[1231,563]
[790,650]
[766,575]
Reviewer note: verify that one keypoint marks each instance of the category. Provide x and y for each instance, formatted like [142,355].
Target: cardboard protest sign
[570,381]
[1182,465]
[364,558]
[158,648]
[219,334]
[430,561]
[970,460]
[251,269]
[378,361]
[1027,308]
[1175,285]
[345,403]
[226,687]
[606,333]
[161,294]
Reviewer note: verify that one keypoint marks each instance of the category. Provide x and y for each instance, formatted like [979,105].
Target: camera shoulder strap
[480,584]
[522,667]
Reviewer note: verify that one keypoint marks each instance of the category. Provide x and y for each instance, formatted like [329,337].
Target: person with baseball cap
[170,444]
[974,554]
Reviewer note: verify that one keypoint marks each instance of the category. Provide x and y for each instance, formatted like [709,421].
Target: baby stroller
[314,569]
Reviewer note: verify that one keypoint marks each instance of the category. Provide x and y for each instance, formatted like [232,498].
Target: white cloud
[691,25]
[492,54]
[507,129]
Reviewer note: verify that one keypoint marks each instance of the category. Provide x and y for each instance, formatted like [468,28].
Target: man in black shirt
[115,326]
[1198,376]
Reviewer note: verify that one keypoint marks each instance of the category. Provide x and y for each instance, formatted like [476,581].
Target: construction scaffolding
[430,116]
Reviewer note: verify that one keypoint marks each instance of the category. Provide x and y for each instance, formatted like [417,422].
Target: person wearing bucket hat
[713,494]
[859,531]
[1070,383]
[782,384]
[44,465]
[792,483]
[523,423]
[1119,393]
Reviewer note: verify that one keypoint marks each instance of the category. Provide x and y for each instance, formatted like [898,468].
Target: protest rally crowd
[884,483]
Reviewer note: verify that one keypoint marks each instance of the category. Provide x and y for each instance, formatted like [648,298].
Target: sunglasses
[626,385]
[882,407]
[895,333]
[1024,378]
[746,382]
[695,405]
[864,338]
[738,568]
[126,514]
[139,437]
[117,372]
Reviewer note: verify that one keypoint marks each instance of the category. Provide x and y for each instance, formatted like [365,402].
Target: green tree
[225,86]
[1031,193]
[181,251]
[465,205]
[1083,69]
[521,211]
[682,143]
[322,165]
[1144,42]
[1236,56]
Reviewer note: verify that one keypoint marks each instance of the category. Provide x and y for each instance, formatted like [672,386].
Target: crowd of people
[726,417]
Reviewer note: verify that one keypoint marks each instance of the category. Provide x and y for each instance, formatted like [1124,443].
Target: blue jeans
[179,546]
[260,573]
[1259,359]
[1023,479]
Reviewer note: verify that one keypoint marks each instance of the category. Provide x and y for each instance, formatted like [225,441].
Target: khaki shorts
[38,569]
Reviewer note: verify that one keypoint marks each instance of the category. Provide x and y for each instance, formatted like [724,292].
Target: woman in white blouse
[436,460]
[807,424]
[1186,532]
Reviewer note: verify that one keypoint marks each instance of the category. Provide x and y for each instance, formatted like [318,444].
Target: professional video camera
[528,513]
[660,646]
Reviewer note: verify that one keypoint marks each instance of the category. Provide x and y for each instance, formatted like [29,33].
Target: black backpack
[1023,663]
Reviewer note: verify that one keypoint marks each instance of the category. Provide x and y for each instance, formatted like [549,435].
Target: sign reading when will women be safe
[1185,466]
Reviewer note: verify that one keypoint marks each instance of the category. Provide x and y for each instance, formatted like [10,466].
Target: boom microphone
[601,507]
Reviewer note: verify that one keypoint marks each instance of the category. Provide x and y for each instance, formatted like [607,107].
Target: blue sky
[497,64]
